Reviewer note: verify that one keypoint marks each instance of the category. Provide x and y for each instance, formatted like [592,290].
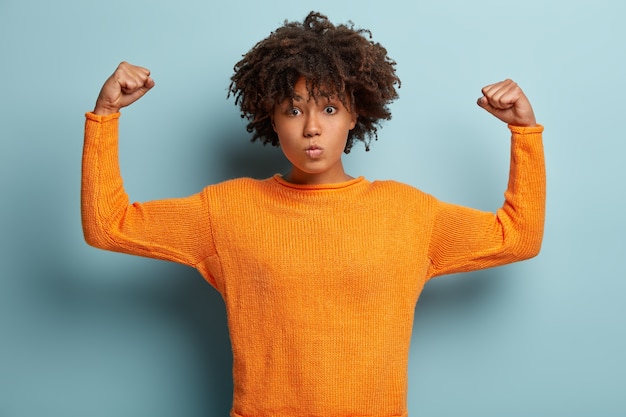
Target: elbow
[93,238]
[528,246]
[92,241]
[532,251]
[523,239]
[95,235]
[100,230]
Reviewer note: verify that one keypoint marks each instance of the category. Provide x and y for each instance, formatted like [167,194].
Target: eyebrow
[331,98]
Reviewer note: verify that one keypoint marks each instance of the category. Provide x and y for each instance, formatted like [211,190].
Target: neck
[299,177]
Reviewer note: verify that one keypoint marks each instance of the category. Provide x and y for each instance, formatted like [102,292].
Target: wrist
[101,110]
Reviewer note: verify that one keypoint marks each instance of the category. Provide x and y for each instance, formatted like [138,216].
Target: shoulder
[237,191]
[398,189]
[236,184]
[390,193]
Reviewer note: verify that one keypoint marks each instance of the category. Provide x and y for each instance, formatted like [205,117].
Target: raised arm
[465,239]
[173,229]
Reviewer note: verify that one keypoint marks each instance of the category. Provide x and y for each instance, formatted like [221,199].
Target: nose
[312,126]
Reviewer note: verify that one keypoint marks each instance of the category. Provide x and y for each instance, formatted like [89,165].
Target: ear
[355,118]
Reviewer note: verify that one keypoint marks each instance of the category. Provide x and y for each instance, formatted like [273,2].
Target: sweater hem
[406,414]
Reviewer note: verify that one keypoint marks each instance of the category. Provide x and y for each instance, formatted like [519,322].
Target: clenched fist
[507,102]
[127,84]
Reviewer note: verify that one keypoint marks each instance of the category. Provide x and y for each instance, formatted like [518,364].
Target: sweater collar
[334,186]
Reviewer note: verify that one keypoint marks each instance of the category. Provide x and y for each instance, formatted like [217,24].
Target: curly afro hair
[334,60]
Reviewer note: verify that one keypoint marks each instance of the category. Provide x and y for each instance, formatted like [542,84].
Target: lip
[314,151]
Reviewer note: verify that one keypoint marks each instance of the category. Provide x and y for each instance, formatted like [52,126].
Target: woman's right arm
[174,229]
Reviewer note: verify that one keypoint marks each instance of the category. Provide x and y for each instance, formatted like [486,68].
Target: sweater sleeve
[465,239]
[176,230]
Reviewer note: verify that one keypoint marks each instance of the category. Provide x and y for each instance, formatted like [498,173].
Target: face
[313,136]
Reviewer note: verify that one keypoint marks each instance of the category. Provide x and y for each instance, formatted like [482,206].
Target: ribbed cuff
[101,119]
[522,130]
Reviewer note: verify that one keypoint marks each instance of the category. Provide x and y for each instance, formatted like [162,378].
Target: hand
[127,84]
[506,101]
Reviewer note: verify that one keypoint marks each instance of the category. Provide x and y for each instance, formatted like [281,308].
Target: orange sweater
[320,282]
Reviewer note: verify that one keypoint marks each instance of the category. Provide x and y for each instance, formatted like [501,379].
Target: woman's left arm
[465,239]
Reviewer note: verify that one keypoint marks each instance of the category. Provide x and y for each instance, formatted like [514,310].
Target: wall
[89,333]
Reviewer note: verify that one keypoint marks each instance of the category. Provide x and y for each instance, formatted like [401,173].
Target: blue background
[90,333]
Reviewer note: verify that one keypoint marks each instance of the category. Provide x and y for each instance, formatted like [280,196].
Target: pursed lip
[314,151]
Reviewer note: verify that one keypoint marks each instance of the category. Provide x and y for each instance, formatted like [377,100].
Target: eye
[330,109]
[293,111]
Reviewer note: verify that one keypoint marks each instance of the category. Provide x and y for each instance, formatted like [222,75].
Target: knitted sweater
[319,281]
